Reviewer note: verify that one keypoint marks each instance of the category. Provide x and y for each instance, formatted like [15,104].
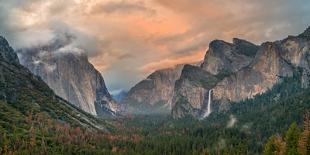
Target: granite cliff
[69,73]
[239,70]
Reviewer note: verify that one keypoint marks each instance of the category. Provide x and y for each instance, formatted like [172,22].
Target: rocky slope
[242,70]
[69,73]
[23,94]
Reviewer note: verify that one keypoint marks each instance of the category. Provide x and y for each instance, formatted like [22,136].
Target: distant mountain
[24,95]
[237,71]
[119,96]
[69,73]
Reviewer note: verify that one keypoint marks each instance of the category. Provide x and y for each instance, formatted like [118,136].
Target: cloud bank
[128,39]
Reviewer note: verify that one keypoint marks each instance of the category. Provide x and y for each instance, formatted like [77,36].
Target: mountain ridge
[260,73]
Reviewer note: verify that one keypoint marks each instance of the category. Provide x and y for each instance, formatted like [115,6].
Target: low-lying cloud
[232,121]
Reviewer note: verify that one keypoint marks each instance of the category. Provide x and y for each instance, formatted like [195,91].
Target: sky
[126,40]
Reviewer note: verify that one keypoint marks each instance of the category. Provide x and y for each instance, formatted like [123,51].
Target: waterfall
[208,112]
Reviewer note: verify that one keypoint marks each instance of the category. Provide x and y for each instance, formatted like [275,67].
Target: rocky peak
[244,47]
[6,51]
[219,45]
[224,57]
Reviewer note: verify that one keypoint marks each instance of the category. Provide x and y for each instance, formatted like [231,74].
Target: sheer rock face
[72,77]
[156,88]
[243,73]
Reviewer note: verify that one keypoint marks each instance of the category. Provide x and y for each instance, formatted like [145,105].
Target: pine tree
[291,138]
[5,143]
[305,136]
[274,146]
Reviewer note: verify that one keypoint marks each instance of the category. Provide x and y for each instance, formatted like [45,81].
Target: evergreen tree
[291,138]
[305,136]
[274,146]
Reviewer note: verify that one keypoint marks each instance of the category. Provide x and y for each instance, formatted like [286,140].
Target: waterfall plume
[208,112]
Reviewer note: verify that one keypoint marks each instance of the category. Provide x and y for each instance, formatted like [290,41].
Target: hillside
[32,116]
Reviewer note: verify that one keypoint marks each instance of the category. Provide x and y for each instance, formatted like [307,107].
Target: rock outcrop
[69,73]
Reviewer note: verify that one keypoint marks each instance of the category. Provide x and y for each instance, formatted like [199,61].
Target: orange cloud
[171,62]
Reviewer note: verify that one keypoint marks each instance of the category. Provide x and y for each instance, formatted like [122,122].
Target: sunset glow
[128,39]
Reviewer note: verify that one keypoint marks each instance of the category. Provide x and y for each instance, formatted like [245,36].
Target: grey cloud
[80,40]
[54,36]
[60,41]
[11,28]
[65,37]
